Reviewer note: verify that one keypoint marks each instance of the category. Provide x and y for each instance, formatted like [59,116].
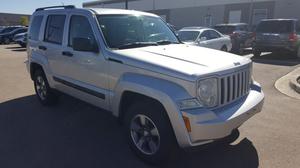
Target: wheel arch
[165,93]
[33,67]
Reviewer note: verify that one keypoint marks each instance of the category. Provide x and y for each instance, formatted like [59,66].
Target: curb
[294,83]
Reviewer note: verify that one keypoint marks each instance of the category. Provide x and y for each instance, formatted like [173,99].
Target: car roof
[195,28]
[265,20]
[107,11]
[232,24]
[97,11]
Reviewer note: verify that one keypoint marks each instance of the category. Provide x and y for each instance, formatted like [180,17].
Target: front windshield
[121,31]
[188,36]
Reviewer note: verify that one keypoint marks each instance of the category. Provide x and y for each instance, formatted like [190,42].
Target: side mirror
[85,44]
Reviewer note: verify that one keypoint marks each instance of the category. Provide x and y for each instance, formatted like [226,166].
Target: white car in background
[205,37]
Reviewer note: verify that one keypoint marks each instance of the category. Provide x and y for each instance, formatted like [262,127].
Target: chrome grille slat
[231,88]
[234,86]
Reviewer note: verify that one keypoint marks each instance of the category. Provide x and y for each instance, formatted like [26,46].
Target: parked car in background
[21,39]
[7,29]
[277,35]
[7,38]
[205,37]
[240,35]
[1,28]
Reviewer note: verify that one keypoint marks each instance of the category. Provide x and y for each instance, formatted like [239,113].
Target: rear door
[84,71]
[216,41]
[52,44]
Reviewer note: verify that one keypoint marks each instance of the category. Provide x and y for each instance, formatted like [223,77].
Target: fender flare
[165,92]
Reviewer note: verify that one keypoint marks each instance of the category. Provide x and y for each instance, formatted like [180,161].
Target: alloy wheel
[144,134]
[41,87]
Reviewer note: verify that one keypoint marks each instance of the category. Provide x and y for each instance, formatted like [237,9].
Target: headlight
[207,92]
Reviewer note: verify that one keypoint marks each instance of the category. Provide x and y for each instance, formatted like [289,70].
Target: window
[242,28]
[35,27]
[122,30]
[225,29]
[188,35]
[276,26]
[214,34]
[205,34]
[55,29]
[80,27]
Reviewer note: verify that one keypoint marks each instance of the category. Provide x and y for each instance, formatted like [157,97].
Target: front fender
[166,92]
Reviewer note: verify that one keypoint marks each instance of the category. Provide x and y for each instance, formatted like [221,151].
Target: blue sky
[28,6]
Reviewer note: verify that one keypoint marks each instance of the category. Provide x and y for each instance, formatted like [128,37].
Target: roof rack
[53,7]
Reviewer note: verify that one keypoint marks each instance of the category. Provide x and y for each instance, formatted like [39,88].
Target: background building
[8,19]
[209,12]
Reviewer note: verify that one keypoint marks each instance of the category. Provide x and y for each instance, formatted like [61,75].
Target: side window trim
[46,27]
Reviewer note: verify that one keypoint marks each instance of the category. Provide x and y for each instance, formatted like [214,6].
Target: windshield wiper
[166,42]
[137,44]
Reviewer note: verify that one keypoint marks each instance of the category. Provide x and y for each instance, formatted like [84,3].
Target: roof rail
[53,7]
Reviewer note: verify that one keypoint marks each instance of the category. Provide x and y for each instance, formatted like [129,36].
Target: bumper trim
[208,126]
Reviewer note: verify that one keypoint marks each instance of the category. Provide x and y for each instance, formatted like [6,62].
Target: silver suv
[167,94]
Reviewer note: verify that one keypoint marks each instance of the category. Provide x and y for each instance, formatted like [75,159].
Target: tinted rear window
[55,29]
[188,35]
[275,27]
[35,27]
[225,29]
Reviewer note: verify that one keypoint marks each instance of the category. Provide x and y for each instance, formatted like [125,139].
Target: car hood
[184,59]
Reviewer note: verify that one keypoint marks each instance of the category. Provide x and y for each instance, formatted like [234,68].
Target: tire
[256,53]
[23,45]
[149,132]
[6,41]
[224,48]
[44,93]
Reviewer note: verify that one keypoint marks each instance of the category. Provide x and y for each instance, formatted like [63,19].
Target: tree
[24,20]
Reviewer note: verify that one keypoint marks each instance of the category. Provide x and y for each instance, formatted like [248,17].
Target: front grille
[234,86]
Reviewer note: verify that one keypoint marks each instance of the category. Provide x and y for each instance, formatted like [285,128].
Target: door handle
[67,53]
[42,48]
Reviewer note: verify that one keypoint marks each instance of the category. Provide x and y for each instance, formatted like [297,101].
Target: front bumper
[210,125]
